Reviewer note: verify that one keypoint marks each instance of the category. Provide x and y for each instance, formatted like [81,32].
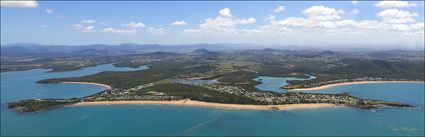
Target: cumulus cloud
[19,4]
[270,17]
[82,28]
[156,31]
[397,16]
[88,21]
[250,20]
[417,26]
[223,24]
[293,21]
[225,12]
[279,9]
[134,25]
[179,23]
[119,31]
[323,13]
[49,11]
[319,24]
[395,4]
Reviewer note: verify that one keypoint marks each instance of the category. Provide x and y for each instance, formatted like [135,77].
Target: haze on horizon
[383,24]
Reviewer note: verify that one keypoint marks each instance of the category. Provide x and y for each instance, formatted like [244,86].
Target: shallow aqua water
[179,120]
[274,83]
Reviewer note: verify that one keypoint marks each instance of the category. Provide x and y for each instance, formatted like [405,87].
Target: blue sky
[273,22]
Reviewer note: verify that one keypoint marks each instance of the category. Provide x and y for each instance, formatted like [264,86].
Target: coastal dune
[188,102]
[91,83]
[351,83]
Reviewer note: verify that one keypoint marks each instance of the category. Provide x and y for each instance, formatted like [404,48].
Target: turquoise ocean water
[179,120]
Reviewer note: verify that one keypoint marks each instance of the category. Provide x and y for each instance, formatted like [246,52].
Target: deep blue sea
[179,120]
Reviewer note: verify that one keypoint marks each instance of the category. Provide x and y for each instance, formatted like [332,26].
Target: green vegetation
[31,105]
[196,93]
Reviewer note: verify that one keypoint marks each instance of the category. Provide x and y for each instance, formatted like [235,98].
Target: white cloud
[76,26]
[43,26]
[49,11]
[279,9]
[370,25]
[179,23]
[157,31]
[88,21]
[270,17]
[323,13]
[225,12]
[82,28]
[88,29]
[326,24]
[417,26]
[400,27]
[354,1]
[293,21]
[320,24]
[134,25]
[395,4]
[250,20]
[19,4]
[119,31]
[219,23]
[355,11]
[396,16]
[223,24]
[346,23]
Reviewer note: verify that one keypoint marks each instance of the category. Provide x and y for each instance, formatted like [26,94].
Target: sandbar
[91,83]
[351,83]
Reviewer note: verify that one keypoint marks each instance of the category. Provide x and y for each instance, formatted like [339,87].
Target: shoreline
[91,83]
[189,102]
[351,83]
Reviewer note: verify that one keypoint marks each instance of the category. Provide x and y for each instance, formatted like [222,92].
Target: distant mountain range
[25,49]
[29,49]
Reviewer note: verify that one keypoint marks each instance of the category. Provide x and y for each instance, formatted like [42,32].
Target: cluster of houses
[124,94]
[293,98]
[289,98]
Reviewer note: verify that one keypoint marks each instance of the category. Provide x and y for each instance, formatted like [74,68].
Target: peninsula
[309,85]
[207,96]
[226,79]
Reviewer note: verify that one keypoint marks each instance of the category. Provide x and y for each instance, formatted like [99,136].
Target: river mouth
[275,83]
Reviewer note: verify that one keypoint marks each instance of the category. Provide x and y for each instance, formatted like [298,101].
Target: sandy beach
[92,83]
[188,102]
[352,83]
